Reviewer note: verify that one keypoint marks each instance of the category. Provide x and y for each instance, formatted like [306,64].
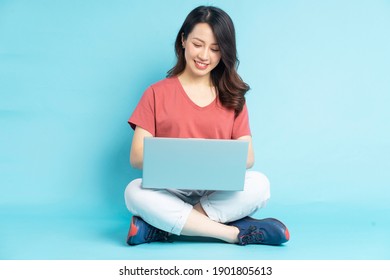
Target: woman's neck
[203,81]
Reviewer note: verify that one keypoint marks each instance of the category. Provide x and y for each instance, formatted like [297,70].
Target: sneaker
[141,232]
[267,231]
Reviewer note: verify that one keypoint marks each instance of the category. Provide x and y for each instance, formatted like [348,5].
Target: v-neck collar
[196,106]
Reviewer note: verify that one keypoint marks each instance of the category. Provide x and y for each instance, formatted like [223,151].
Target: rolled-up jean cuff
[210,210]
[178,227]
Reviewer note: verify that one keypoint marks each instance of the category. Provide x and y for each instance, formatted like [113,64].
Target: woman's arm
[251,156]
[137,147]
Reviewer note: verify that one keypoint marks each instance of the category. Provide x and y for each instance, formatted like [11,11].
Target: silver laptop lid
[198,164]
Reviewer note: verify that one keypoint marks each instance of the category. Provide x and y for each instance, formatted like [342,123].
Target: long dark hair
[230,87]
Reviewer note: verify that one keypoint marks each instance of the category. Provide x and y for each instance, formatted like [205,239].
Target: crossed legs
[206,218]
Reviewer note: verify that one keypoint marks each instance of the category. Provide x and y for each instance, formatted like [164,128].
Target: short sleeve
[144,114]
[241,124]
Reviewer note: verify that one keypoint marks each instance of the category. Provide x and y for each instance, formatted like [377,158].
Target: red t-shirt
[165,110]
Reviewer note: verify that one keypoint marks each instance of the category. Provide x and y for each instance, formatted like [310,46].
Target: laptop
[194,164]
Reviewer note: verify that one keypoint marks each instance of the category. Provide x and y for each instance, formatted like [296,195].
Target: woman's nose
[204,54]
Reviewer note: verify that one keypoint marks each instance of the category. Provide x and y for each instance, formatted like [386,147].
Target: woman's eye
[215,50]
[197,45]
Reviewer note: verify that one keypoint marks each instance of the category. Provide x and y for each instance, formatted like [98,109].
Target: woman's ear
[183,42]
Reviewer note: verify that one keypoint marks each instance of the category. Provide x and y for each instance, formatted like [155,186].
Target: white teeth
[201,64]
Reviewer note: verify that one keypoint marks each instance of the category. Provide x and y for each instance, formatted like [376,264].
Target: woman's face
[202,52]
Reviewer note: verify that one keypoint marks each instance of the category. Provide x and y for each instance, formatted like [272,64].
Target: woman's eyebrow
[196,38]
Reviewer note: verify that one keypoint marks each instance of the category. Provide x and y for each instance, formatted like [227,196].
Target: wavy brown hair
[230,87]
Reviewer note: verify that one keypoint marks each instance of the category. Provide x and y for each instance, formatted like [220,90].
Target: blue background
[71,73]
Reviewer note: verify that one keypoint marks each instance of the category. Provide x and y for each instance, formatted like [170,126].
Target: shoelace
[155,234]
[252,236]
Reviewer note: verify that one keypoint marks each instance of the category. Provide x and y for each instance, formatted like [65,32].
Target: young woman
[202,97]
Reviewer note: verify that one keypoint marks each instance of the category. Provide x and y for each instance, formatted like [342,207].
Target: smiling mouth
[200,65]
